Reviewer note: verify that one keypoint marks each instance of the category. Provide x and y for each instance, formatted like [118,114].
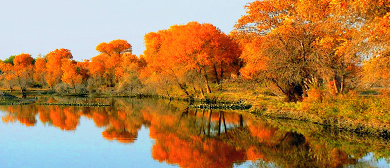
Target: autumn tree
[299,45]
[128,73]
[53,66]
[83,70]
[114,47]
[192,47]
[105,65]
[97,69]
[19,73]
[40,71]
[376,42]
[70,74]
[7,75]
[23,69]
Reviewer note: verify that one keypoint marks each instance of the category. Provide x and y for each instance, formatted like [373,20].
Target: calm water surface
[159,133]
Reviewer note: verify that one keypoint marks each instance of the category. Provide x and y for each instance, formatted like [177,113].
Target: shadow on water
[209,138]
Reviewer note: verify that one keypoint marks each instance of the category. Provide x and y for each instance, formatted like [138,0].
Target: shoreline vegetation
[324,62]
[355,115]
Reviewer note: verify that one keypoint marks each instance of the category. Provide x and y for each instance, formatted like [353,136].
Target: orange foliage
[376,69]
[40,70]
[115,46]
[8,74]
[110,63]
[82,69]
[97,65]
[298,44]
[70,73]
[54,63]
[189,46]
[314,95]
[255,61]
[21,73]
[23,61]
[194,46]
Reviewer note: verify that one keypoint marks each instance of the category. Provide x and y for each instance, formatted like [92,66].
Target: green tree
[10,60]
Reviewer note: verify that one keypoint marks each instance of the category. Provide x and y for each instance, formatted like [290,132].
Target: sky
[40,26]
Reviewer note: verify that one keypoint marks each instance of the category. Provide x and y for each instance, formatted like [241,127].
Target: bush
[61,88]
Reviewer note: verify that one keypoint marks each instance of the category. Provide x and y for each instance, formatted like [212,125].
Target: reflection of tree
[264,132]
[119,135]
[123,121]
[20,113]
[195,152]
[121,128]
[65,118]
[100,118]
[286,149]
[179,141]
[206,138]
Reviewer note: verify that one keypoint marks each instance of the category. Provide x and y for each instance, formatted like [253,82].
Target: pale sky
[40,26]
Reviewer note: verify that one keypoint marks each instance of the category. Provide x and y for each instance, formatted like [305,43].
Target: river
[161,133]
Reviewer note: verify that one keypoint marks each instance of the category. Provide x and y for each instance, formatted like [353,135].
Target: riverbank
[360,114]
[364,112]
[369,127]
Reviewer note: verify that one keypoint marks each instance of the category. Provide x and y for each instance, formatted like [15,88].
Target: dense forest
[300,49]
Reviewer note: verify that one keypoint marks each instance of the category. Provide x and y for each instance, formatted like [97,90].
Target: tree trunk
[74,87]
[202,93]
[342,84]
[169,95]
[206,81]
[182,86]
[184,89]
[336,89]
[216,74]
[21,88]
[207,86]
[23,94]
[220,81]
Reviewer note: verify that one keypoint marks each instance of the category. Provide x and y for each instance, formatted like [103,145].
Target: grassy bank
[360,114]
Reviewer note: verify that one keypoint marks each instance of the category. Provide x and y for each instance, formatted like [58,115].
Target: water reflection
[209,138]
